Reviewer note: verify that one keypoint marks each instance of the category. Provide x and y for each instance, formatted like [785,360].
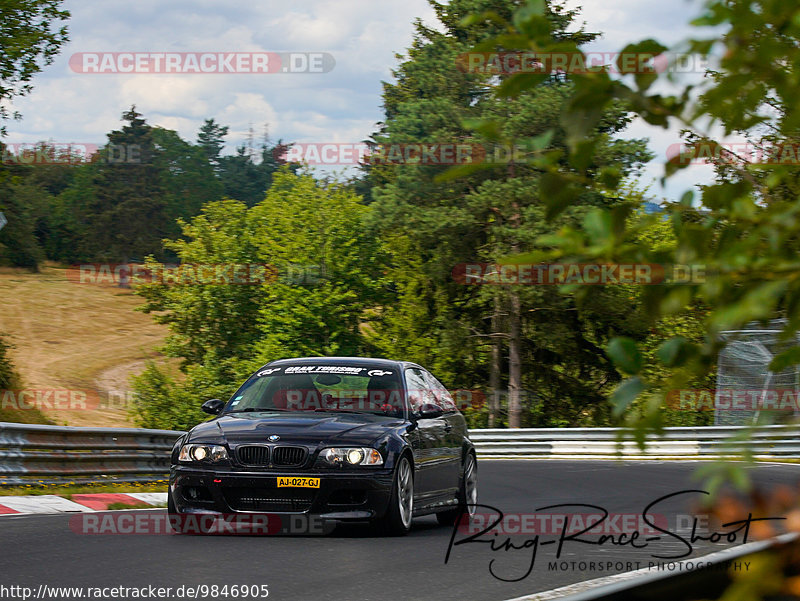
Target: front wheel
[467,494]
[397,521]
[174,519]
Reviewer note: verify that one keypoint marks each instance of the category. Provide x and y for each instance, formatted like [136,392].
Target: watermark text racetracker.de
[156,523]
[66,399]
[443,152]
[576,273]
[69,153]
[87,399]
[374,399]
[204,62]
[709,152]
[621,63]
[194,274]
[151,592]
[735,399]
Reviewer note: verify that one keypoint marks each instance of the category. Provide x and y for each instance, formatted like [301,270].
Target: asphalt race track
[353,564]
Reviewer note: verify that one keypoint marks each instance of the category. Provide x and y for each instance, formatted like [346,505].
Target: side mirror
[430,411]
[214,406]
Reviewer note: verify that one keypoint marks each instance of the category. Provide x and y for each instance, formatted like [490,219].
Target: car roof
[349,361]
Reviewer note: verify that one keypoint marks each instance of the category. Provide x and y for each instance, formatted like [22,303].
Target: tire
[178,521]
[397,521]
[467,494]
[172,511]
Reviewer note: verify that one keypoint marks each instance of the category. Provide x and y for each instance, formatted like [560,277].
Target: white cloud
[341,106]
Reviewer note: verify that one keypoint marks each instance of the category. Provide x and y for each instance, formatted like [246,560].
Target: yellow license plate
[291,481]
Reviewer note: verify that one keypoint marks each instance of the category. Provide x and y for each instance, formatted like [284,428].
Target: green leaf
[625,394]
[625,355]
[758,303]
[739,478]
[598,225]
[532,8]
[675,351]
[557,192]
[610,177]
[530,19]
[488,128]
[786,359]
[460,171]
[583,153]
[519,82]
[638,59]
[539,142]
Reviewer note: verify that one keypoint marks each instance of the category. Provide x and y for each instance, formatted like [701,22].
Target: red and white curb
[78,504]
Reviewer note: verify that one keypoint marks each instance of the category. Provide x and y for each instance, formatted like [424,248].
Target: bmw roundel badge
[273,437]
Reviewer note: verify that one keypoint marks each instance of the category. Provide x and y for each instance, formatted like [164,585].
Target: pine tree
[550,343]
[129,213]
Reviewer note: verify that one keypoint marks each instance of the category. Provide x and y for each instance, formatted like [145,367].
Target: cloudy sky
[342,105]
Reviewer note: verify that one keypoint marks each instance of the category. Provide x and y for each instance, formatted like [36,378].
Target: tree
[246,175]
[29,38]
[321,272]
[495,209]
[741,230]
[241,178]
[211,139]
[28,41]
[21,203]
[188,177]
[126,199]
[129,213]
[70,238]
[247,180]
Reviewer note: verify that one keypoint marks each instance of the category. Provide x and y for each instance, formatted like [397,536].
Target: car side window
[443,398]
[419,391]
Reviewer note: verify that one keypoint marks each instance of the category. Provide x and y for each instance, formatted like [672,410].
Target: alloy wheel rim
[405,492]
[471,485]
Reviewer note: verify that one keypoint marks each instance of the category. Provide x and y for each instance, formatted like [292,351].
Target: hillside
[74,340]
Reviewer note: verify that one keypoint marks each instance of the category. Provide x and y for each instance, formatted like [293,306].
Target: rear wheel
[467,494]
[397,521]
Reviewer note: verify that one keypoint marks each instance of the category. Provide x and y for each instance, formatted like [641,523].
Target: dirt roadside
[85,339]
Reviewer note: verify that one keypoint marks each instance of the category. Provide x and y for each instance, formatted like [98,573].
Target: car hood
[305,428]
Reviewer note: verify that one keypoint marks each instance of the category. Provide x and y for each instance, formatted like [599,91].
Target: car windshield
[328,388]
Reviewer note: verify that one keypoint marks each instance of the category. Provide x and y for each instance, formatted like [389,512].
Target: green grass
[18,416]
[45,317]
[118,506]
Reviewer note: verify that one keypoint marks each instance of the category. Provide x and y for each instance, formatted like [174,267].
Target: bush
[9,380]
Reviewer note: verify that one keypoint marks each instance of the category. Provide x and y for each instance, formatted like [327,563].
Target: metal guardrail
[34,454]
[707,442]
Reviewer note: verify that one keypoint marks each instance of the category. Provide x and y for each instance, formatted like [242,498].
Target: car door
[431,457]
[454,431]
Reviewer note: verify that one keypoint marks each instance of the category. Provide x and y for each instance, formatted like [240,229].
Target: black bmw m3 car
[344,439]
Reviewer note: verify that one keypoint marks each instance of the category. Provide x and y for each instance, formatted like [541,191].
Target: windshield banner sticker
[324,369]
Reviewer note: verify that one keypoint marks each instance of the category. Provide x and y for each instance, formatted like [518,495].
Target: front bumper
[350,495]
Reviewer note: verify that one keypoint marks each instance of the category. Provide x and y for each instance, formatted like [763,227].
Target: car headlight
[341,456]
[203,452]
